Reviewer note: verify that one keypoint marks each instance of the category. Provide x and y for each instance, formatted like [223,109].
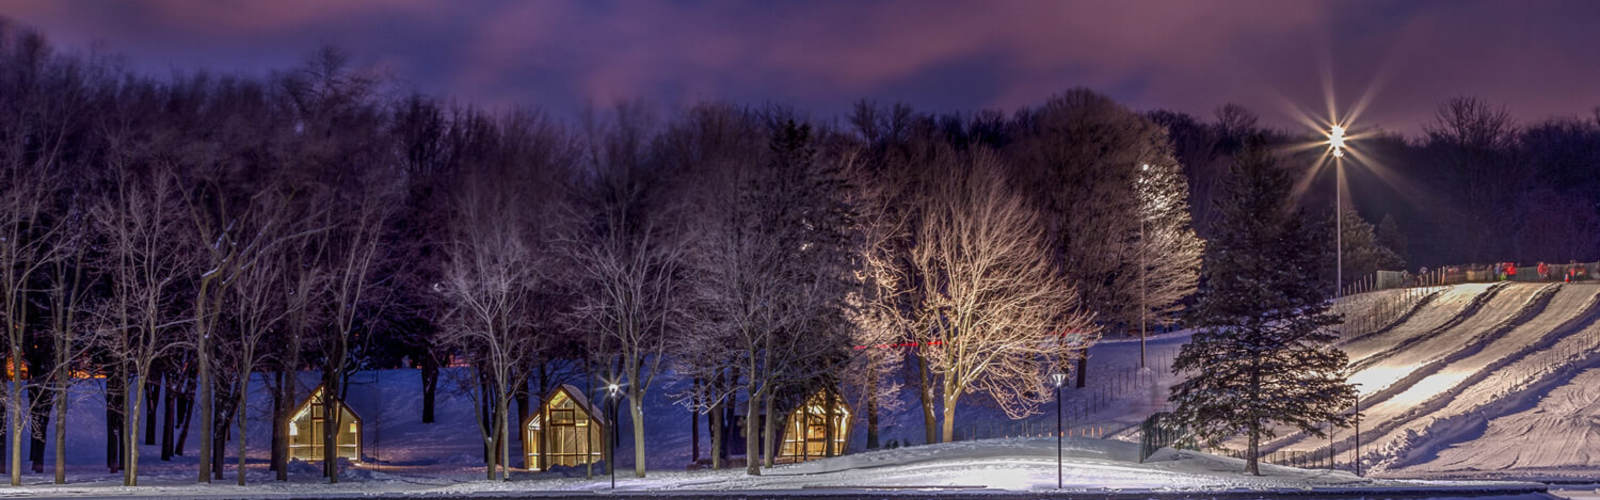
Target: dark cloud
[1537,58]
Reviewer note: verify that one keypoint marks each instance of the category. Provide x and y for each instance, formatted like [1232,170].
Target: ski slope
[1481,382]
[1447,307]
[1379,370]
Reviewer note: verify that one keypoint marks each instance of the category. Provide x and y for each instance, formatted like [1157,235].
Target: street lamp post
[611,444]
[1058,378]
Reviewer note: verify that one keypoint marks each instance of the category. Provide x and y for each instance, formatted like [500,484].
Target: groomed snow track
[1455,397]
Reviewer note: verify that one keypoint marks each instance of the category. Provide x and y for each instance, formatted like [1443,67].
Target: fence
[1302,459]
[1158,432]
[1368,312]
[1470,273]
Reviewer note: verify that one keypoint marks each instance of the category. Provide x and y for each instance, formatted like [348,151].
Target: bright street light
[1336,141]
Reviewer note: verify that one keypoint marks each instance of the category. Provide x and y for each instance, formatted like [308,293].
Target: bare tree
[28,243]
[778,264]
[997,312]
[139,221]
[883,311]
[628,248]
[353,174]
[496,264]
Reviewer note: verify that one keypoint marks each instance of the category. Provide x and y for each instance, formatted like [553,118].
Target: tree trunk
[130,433]
[15,434]
[61,426]
[280,423]
[219,440]
[930,421]
[1083,368]
[277,409]
[872,410]
[114,409]
[40,421]
[168,418]
[543,386]
[523,405]
[331,404]
[872,419]
[430,385]
[242,407]
[495,441]
[202,355]
[751,443]
[951,392]
[714,422]
[828,429]
[730,415]
[636,412]
[694,425]
[151,395]
[769,453]
[486,406]
[588,389]
[1251,466]
[185,415]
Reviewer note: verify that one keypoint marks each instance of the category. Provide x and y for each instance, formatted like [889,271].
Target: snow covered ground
[999,465]
[1479,409]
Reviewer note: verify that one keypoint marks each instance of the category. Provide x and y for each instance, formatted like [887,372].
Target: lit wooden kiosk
[306,430]
[566,431]
[819,428]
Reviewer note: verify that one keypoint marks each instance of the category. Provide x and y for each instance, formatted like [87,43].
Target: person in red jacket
[1544,271]
[1511,271]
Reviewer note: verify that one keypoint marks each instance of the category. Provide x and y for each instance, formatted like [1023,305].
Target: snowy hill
[1482,381]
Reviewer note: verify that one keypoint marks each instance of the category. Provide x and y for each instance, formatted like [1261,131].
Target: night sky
[1539,59]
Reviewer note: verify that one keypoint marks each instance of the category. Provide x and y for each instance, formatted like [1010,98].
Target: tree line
[183,238]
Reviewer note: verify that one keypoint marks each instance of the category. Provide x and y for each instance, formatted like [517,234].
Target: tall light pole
[1144,305]
[1336,142]
[1058,378]
[611,448]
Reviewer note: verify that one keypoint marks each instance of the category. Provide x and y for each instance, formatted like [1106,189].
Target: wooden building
[566,431]
[819,428]
[306,430]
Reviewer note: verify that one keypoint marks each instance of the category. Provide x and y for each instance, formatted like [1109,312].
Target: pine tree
[1264,356]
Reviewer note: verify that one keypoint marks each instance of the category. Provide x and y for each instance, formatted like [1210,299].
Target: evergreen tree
[1365,252]
[1264,356]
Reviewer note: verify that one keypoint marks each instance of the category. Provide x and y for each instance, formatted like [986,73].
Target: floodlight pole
[1144,306]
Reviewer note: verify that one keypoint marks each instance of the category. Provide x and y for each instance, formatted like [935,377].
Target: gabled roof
[581,400]
[316,394]
[577,397]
